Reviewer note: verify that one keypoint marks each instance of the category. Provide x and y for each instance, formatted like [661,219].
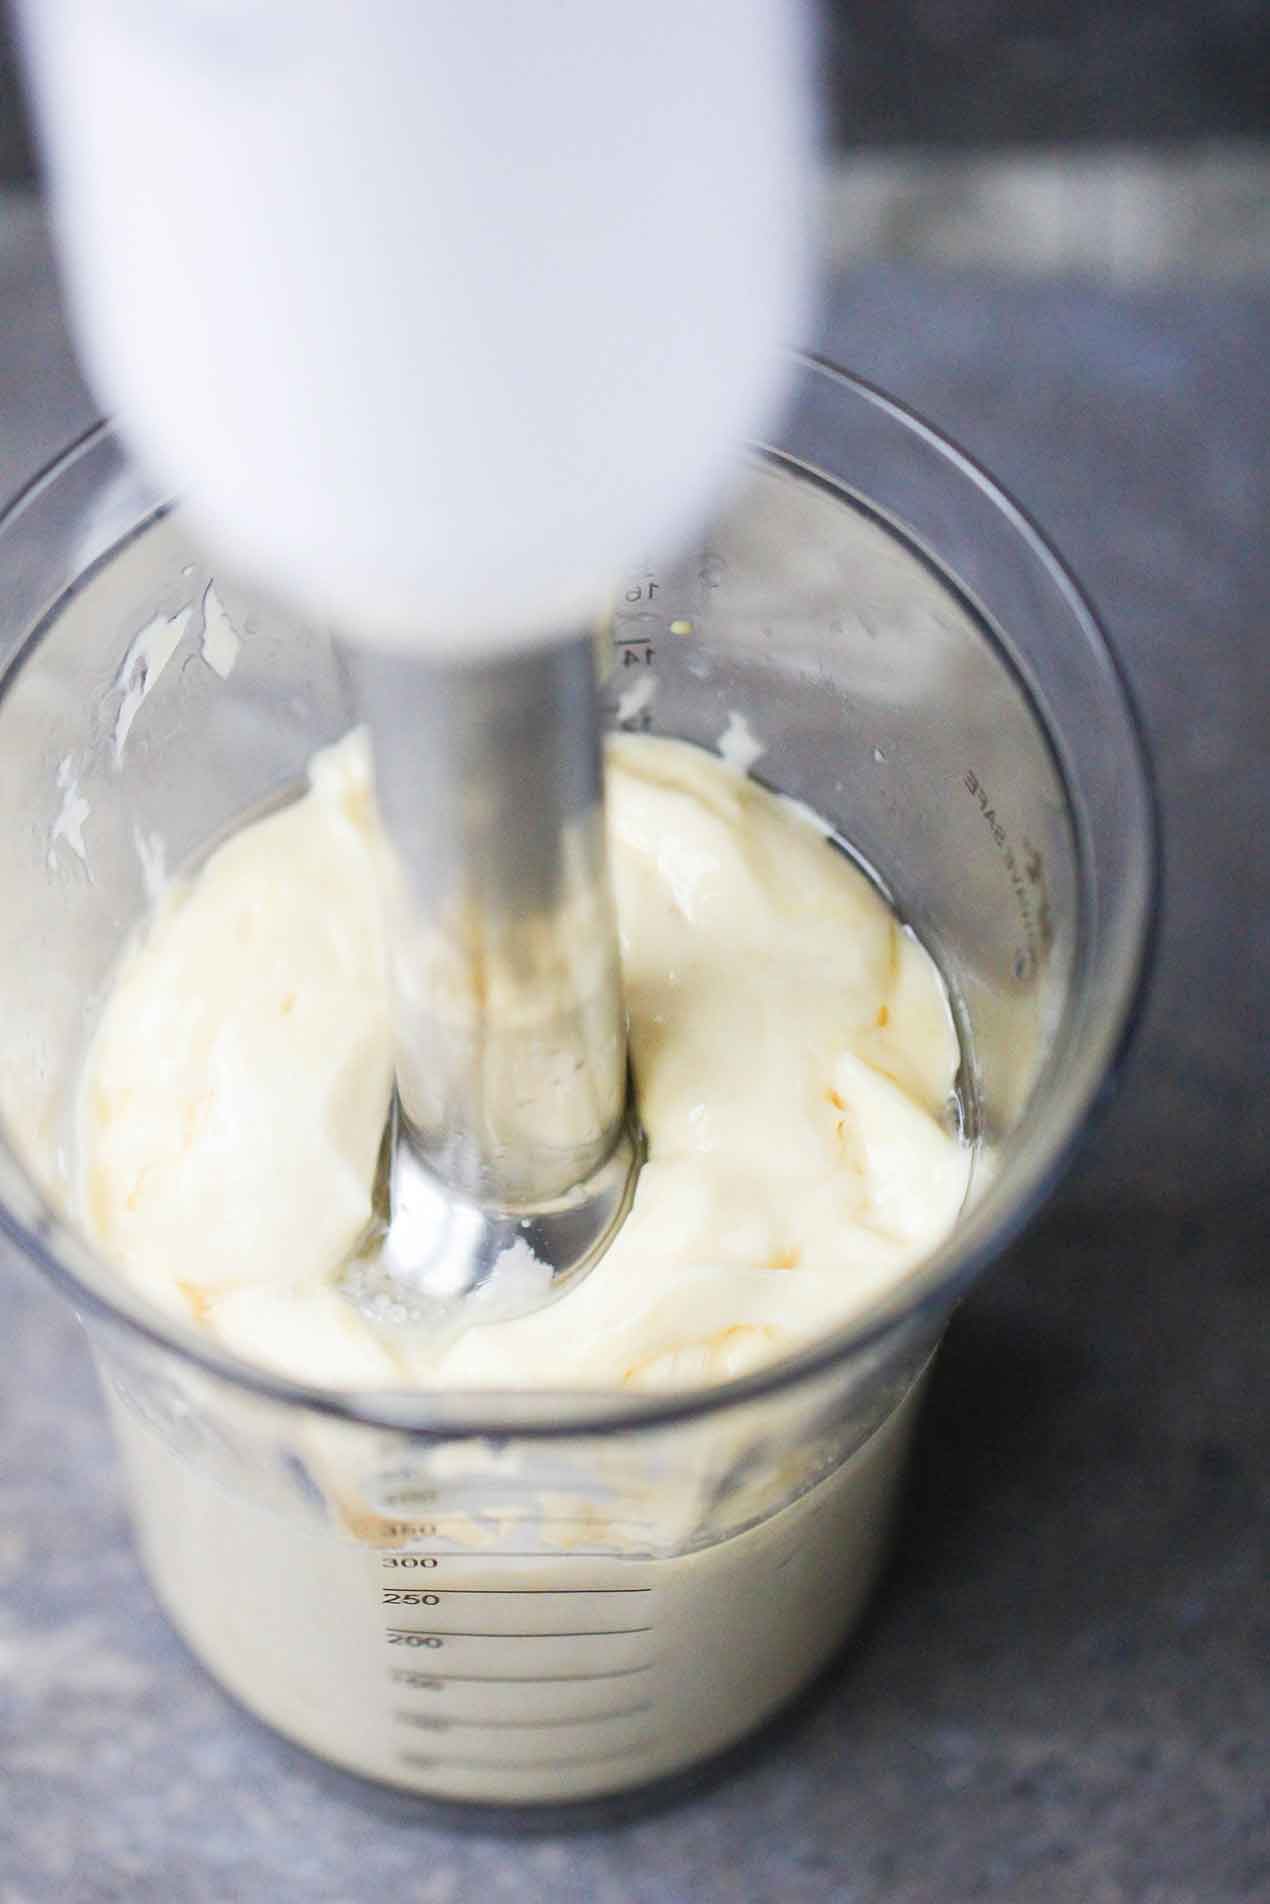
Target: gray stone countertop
[1062,1695]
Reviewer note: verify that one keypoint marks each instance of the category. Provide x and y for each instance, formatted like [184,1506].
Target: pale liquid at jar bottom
[509,1678]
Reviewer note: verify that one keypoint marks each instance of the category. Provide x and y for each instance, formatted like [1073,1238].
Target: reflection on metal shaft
[510,1032]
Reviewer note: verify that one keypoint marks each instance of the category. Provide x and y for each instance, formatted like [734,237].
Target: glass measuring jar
[529,1599]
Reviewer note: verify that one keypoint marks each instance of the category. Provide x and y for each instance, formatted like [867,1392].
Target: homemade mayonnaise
[535,1621]
[792,1047]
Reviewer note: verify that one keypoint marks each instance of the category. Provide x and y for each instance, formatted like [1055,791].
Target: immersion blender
[441,319]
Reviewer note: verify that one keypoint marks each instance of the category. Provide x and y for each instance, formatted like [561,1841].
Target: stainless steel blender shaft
[510,1032]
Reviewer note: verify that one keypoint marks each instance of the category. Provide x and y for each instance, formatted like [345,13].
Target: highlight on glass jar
[511,1595]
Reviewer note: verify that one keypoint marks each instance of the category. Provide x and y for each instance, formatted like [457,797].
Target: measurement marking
[453,1633]
[413,1718]
[490,1514]
[534,1679]
[430,1759]
[525,1591]
[471,1551]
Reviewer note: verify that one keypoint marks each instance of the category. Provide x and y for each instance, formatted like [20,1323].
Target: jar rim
[922,1297]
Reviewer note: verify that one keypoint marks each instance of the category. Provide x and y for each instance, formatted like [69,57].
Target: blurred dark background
[1019,72]
[966,73]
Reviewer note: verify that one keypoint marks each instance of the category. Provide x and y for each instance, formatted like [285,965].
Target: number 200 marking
[414,1639]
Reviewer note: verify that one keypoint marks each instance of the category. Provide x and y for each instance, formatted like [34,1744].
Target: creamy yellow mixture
[792,1046]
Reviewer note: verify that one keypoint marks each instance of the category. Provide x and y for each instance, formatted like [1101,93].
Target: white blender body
[437,317]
